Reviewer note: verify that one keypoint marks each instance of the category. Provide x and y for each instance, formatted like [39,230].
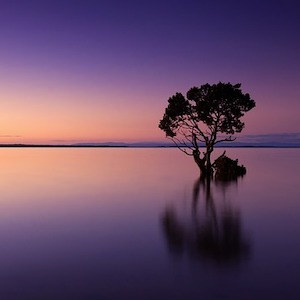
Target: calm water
[137,224]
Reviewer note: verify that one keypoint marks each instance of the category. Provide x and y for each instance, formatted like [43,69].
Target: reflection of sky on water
[84,224]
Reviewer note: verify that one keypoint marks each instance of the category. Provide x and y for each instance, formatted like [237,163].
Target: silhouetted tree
[205,112]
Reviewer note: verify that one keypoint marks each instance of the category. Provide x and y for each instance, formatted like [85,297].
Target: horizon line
[139,145]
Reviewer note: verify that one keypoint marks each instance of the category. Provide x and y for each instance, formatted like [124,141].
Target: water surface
[138,224]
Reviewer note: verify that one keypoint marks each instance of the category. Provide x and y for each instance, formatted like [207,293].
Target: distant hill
[283,140]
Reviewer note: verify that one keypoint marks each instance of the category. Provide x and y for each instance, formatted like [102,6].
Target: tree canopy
[209,114]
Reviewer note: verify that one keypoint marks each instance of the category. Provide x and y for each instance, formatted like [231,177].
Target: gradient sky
[76,71]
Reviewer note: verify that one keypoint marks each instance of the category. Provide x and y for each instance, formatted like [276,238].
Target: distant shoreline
[133,146]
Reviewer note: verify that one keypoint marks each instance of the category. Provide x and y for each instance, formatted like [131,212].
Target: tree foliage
[209,114]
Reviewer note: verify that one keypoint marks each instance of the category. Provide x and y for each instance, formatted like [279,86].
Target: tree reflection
[212,229]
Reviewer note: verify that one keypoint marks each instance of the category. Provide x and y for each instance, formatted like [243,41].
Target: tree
[209,114]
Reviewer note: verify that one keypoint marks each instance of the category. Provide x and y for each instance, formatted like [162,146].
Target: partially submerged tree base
[227,168]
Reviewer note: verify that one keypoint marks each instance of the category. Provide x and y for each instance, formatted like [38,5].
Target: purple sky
[103,70]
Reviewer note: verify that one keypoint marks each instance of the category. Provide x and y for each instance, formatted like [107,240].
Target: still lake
[125,223]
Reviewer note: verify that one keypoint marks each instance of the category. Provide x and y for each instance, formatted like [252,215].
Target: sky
[97,70]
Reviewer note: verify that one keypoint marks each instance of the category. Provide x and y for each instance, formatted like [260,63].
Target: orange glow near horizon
[61,109]
[63,116]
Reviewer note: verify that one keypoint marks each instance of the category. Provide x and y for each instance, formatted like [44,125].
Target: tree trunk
[200,162]
[204,163]
[208,166]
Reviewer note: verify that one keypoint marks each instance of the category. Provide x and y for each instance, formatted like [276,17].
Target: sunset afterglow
[97,71]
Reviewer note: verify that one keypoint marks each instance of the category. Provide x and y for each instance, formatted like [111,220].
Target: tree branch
[179,143]
[229,139]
